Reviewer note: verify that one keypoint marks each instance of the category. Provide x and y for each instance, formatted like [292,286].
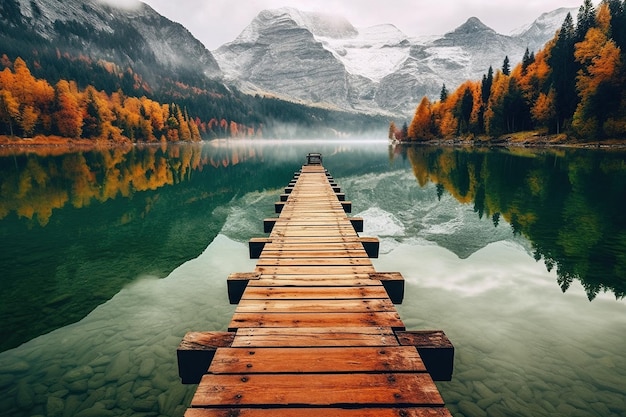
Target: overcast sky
[215,22]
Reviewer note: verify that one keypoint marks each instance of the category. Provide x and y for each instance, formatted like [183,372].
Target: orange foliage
[421,125]
[30,106]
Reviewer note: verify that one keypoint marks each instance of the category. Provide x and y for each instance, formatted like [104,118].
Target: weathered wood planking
[312,253]
[338,390]
[315,336]
[314,333]
[309,360]
[314,306]
[301,261]
[314,293]
[293,320]
[308,270]
[317,412]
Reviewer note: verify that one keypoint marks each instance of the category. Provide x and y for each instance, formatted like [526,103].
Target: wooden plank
[313,293]
[308,270]
[328,228]
[313,240]
[304,279]
[332,230]
[316,360]
[343,261]
[296,281]
[319,412]
[294,320]
[317,277]
[315,306]
[342,390]
[311,253]
[311,246]
[315,337]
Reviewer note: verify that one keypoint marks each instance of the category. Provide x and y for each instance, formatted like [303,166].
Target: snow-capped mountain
[536,33]
[324,60]
[135,33]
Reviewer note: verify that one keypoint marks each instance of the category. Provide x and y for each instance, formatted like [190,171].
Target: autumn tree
[9,109]
[597,82]
[68,116]
[544,110]
[495,116]
[392,130]
[421,127]
[28,119]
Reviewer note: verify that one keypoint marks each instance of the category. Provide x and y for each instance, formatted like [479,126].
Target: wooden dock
[315,332]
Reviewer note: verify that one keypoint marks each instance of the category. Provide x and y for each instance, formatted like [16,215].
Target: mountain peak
[319,24]
[472,25]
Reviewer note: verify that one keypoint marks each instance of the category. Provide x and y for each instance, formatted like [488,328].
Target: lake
[109,257]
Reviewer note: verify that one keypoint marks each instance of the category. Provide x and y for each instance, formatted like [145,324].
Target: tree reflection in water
[568,203]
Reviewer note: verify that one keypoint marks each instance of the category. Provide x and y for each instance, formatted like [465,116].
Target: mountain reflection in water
[123,251]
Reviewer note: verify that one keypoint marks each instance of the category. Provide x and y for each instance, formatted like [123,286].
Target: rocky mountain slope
[324,60]
[135,34]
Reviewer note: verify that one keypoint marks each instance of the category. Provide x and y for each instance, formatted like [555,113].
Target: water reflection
[567,203]
[78,226]
[523,347]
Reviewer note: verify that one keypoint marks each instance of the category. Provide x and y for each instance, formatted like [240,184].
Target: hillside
[138,52]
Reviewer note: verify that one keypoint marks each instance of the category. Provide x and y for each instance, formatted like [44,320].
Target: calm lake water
[109,257]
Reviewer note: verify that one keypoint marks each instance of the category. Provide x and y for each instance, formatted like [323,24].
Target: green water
[109,257]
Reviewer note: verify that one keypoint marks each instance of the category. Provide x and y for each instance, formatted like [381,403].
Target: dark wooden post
[435,348]
[196,351]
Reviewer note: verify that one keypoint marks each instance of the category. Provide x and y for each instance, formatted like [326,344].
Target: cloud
[123,4]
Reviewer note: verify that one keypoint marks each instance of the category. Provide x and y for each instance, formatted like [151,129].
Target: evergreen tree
[465,111]
[443,96]
[527,60]
[563,74]
[618,22]
[506,66]
[586,20]
[92,122]
[486,86]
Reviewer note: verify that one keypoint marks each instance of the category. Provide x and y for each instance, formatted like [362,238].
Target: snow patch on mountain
[373,53]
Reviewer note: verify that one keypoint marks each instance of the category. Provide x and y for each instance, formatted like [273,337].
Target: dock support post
[268,225]
[435,349]
[256,245]
[237,284]
[393,283]
[196,351]
[357,223]
[371,246]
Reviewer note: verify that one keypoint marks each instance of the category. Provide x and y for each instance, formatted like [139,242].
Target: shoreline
[519,140]
[523,140]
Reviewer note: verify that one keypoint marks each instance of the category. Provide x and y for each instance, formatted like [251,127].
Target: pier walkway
[315,332]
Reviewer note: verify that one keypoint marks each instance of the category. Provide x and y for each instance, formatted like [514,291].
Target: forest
[31,106]
[574,86]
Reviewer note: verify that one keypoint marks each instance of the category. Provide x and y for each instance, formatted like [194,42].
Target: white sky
[216,22]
